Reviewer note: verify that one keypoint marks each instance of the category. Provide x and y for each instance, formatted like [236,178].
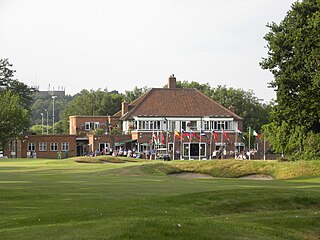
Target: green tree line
[294,59]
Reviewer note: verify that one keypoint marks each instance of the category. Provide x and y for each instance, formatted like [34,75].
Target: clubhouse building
[183,122]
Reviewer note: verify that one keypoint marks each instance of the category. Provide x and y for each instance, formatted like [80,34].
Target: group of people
[244,155]
[120,152]
[123,152]
[219,154]
[31,154]
[103,151]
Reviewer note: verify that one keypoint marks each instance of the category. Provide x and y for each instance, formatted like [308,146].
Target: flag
[193,134]
[259,135]
[154,139]
[162,138]
[241,135]
[215,135]
[252,132]
[169,135]
[203,134]
[184,133]
[225,135]
[178,135]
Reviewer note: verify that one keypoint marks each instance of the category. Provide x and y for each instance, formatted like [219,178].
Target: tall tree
[13,117]
[293,58]
[7,82]
[15,102]
[130,96]
[254,112]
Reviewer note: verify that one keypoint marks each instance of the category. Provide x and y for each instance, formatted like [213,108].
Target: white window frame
[42,146]
[65,146]
[31,146]
[54,147]
[96,125]
[87,126]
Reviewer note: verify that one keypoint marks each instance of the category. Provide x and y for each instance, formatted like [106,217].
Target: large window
[31,146]
[193,125]
[64,146]
[54,147]
[218,125]
[91,125]
[42,147]
[149,125]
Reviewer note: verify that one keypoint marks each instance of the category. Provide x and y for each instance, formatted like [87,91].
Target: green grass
[239,168]
[62,199]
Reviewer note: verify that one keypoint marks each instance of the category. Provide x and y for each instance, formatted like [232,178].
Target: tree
[8,83]
[91,103]
[15,102]
[13,117]
[44,105]
[293,58]
[247,105]
[130,96]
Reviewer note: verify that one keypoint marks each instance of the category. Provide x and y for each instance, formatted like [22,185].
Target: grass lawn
[62,199]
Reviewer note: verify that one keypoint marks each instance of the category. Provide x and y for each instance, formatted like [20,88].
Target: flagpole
[151,150]
[249,143]
[189,145]
[264,147]
[200,139]
[167,142]
[181,143]
[174,143]
[211,146]
[236,141]
[221,148]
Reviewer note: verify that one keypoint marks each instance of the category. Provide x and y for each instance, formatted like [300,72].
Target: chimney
[172,81]
[232,109]
[124,108]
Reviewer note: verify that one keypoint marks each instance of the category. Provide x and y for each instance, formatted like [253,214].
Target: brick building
[180,120]
[175,119]
[42,146]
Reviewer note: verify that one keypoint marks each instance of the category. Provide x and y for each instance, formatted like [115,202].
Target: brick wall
[23,143]
[77,123]
[95,140]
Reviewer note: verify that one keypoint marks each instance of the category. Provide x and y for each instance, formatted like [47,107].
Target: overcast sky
[120,44]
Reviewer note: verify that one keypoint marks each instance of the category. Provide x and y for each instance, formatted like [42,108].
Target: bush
[311,146]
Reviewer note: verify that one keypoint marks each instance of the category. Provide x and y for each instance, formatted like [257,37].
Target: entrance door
[194,150]
[105,146]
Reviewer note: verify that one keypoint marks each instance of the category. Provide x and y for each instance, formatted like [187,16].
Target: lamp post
[47,121]
[53,97]
[41,123]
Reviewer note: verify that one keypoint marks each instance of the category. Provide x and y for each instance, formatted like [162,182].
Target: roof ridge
[137,101]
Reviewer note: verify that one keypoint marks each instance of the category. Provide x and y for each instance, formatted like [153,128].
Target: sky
[120,44]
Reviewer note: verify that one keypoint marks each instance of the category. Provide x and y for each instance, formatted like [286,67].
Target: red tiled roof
[132,105]
[176,102]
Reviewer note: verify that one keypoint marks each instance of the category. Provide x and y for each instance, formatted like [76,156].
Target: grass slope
[239,168]
[61,199]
